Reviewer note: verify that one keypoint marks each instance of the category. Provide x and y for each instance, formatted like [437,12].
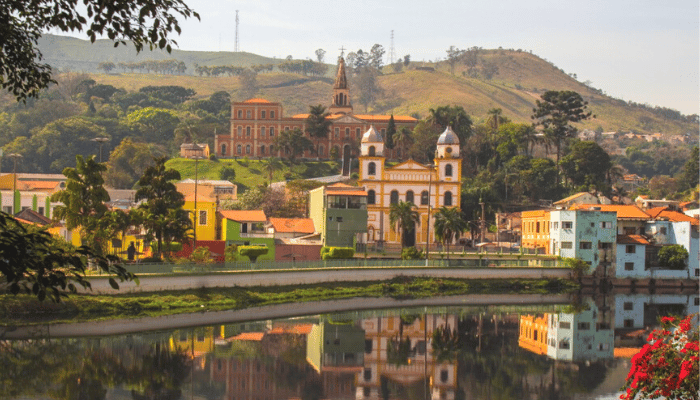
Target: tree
[556,112]
[317,124]
[376,57]
[163,216]
[84,201]
[320,54]
[668,365]
[449,226]
[587,165]
[252,252]
[367,86]
[157,124]
[293,142]
[673,256]
[390,132]
[227,173]
[689,177]
[454,117]
[128,161]
[403,139]
[171,93]
[403,218]
[107,66]
[453,55]
[146,23]
[35,262]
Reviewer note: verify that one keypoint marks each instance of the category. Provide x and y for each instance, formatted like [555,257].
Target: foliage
[227,173]
[673,256]
[201,255]
[317,124]
[252,252]
[337,253]
[453,116]
[412,253]
[578,267]
[586,165]
[34,262]
[144,24]
[128,161]
[449,226]
[293,142]
[691,171]
[403,218]
[84,201]
[156,124]
[172,94]
[230,252]
[163,216]
[668,365]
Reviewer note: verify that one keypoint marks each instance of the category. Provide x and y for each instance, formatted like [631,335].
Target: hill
[508,79]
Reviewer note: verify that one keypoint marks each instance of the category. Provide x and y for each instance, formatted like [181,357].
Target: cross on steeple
[342,51]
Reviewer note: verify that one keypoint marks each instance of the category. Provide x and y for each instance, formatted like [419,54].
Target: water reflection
[529,352]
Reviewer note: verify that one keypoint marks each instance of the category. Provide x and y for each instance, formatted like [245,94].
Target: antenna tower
[236,49]
[391,50]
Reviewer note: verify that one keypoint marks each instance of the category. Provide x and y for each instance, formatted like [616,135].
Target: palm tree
[318,126]
[403,218]
[403,139]
[449,226]
[495,118]
[270,165]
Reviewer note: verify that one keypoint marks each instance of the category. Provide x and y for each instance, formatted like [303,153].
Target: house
[331,345]
[631,182]
[535,230]
[202,212]
[428,187]
[194,151]
[584,336]
[214,190]
[631,220]
[646,203]
[339,213]
[30,191]
[256,123]
[289,228]
[247,228]
[632,256]
[582,198]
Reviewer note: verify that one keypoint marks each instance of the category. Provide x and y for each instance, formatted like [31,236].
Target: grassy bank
[26,310]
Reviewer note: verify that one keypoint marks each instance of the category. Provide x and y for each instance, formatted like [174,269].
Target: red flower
[665,320]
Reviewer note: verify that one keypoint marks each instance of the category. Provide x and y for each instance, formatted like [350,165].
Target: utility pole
[482,224]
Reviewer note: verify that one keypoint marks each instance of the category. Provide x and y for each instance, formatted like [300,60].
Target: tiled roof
[572,197]
[623,211]
[245,215]
[257,100]
[293,225]
[37,185]
[251,336]
[365,117]
[301,329]
[663,213]
[632,239]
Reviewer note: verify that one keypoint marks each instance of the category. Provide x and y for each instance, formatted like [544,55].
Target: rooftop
[623,211]
[244,215]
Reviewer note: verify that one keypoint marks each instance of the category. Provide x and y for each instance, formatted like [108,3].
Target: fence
[264,265]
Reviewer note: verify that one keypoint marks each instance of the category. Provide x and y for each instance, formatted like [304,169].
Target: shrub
[201,255]
[172,247]
[337,253]
[230,253]
[252,252]
[673,256]
[411,253]
[578,267]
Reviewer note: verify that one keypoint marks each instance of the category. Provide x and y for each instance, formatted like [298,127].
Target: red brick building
[255,123]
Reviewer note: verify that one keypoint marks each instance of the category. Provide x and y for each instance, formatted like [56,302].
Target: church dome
[448,137]
[372,136]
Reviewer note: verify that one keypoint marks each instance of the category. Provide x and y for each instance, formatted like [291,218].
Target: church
[429,187]
[255,123]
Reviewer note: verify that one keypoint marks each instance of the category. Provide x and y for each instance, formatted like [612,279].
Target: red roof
[341,189]
[245,215]
[623,211]
[293,225]
[632,239]
[666,214]
[301,329]
[256,100]
[252,336]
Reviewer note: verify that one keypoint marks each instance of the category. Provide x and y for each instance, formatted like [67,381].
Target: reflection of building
[336,348]
[386,358]
[641,311]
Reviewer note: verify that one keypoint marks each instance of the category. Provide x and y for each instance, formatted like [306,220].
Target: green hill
[516,79]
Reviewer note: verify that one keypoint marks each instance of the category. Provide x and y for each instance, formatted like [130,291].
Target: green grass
[24,309]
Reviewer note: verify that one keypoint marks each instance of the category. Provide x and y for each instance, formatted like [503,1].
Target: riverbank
[26,310]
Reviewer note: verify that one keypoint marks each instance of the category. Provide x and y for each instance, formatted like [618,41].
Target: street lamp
[427,236]
[100,141]
[14,157]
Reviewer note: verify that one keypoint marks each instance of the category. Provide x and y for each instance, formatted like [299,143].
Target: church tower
[449,166]
[340,103]
[372,155]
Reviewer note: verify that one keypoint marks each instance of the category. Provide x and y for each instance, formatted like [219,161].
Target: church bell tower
[340,103]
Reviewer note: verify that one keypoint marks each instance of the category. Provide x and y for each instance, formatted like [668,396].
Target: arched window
[272,149]
[238,149]
[239,129]
[262,149]
[247,149]
[448,170]
[321,149]
[394,197]
[262,132]
[272,131]
[372,151]
[371,169]
[247,131]
[371,197]
[424,198]
[223,149]
[409,196]
[448,199]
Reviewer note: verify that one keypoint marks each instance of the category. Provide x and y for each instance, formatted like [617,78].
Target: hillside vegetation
[519,78]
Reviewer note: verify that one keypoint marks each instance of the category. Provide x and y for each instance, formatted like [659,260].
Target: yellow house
[535,230]
[533,333]
[203,216]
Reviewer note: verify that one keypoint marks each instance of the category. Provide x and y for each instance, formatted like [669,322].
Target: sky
[639,50]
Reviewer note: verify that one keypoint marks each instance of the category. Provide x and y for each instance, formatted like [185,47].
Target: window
[336,133]
[566,224]
[239,130]
[371,197]
[630,249]
[424,198]
[628,323]
[263,114]
[238,149]
[371,169]
[41,210]
[368,374]
[585,245]
[202,217]
[357,132]
[394,197]
[272,149]
[605,245]
[444,374]
[628,306]
[555,225]
[320,150]
[240,113]
[629,266]
[247,149]
[566,245]
[247,131]
[223,149]
[272,114]
[448,170]
[248,114]
[584,326]
[372,151]
[564,325]
[272,131]
[338,219]
[262,132]
[606,224]
[347,133]
[409,196]
[448,199]
[537,227]
[262,149]
[564,345]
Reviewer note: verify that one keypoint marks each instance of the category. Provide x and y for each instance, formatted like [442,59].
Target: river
[456,348]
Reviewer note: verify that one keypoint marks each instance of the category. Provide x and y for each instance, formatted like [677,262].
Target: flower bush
[668,365]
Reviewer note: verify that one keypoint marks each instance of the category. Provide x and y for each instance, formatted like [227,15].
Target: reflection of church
[426,186]
[255,123]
